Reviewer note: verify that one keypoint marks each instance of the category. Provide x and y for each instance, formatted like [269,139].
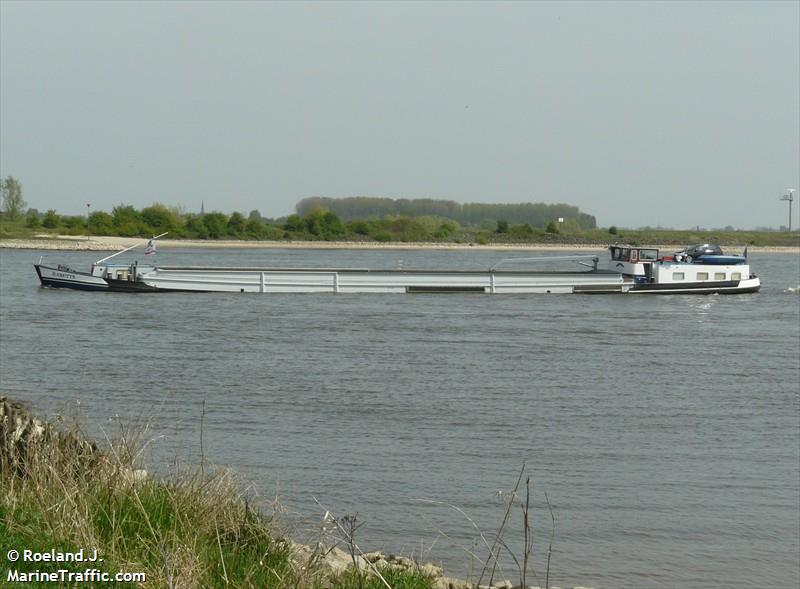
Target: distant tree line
[353,219]
[318,224]
[127,221]
[358,219]
[537,215]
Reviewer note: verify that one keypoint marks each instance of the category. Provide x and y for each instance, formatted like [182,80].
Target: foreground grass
[395,579]
[60,491]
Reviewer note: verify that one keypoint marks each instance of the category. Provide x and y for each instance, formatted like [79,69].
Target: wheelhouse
[626,253]
[697,268]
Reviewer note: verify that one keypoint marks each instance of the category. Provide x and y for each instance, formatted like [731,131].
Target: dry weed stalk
[347,527]
[492,565]
[494,551]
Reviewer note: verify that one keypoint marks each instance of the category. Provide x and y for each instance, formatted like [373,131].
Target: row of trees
[405,223]
[127,221]
[538,215]
[318,224]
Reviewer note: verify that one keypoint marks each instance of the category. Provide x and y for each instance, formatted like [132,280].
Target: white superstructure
[701,269]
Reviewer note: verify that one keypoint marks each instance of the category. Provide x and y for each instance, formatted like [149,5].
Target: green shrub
[294,223]
[359,227]
[32,220]
[524,230]
[236,224]
[51,219]
[158,218]
[101,223]
[126,215]
[216,224]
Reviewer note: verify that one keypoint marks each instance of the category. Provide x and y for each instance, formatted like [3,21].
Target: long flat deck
[363,280]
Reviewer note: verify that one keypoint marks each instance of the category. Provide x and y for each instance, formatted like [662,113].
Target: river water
[664,430]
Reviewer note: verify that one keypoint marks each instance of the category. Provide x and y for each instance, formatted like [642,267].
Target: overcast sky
[639,113]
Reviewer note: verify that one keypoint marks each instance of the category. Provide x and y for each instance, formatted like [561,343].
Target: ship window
[702,276]
[719,275]
[620,254]
[677,276]
[736,276]
[648,254]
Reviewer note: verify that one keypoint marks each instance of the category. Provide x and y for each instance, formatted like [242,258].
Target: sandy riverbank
[100,243]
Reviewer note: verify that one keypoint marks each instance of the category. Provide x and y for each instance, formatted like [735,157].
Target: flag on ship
[150,249]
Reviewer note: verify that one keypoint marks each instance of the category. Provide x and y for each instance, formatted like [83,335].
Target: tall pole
[789,197]
[88,206]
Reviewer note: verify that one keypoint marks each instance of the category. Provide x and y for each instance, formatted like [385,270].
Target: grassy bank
[60,491]
[409,230]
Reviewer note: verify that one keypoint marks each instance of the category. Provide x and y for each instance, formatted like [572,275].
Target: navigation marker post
[789,196]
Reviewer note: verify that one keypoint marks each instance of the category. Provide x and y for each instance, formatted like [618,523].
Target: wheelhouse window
[719,275]
[736,276]
[702,276]
[620,254]
[677,276]
[648,254]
